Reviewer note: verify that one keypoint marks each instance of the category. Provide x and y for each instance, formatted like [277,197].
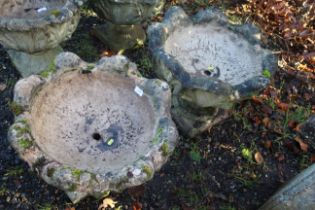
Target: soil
[238,164]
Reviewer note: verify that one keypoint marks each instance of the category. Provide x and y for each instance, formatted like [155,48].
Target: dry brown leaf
[137,205]
[266,122]
[268,144]
[107,203]
[303,145]
[259,158]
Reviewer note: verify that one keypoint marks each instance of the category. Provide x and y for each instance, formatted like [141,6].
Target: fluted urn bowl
[90,130]
[211,63]
[122,28]
[31,31]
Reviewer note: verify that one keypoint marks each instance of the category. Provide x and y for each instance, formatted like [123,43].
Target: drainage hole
[207,72]
[96,136]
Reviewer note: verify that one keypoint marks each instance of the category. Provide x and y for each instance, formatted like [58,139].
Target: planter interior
[210,63]
[90,130]
[74,124]
[210,50]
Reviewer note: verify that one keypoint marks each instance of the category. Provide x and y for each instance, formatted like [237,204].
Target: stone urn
[210,64]
[122,28]
[32,30]
[92,129]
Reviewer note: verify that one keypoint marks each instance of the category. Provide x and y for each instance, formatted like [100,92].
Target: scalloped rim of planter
[175,18]
[25,24]
[79,183]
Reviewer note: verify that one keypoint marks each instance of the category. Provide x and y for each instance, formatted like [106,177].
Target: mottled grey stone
[90,129]
[32,31]
[212,63]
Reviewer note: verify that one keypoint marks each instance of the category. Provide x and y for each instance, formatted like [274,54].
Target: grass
[14,171]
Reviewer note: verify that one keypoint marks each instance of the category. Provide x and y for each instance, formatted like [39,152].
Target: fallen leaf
[137,205]
[313,158]
[283,106]
[280,157]
[292,124]
[303,146]
[69,208]
[2,87]
[257,100]
[107,202]
[259,158]
[268,144]
[266,122]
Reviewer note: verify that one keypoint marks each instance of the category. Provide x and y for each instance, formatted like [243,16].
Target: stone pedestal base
[119,37]
[192,121]
[28,64]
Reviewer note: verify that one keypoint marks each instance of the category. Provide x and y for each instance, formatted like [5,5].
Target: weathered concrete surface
[33,30]
[123,18]
[126,12]
[299,193]
[29,64]
[93,128]
[209,62]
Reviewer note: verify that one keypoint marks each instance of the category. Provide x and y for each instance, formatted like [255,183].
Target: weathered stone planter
[88,130]
[299,193]
[210,63]
[123,29]
[32,30]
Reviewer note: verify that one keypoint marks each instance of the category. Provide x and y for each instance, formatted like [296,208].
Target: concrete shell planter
[299,193]
[32,30]
[123,29]
[210,63]
[92,129]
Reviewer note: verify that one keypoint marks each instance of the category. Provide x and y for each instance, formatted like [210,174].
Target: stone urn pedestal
[210,64]
[92,129]
[122,28]
[32,30]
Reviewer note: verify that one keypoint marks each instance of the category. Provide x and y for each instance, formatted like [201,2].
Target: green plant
[76,173]
[51,68]
[157,136]
[194,154]
[148,170]
[266,73]
[3,191]
[55,12]
[165,149]
[46,206]
[247,154]
[15,171]
[25,143]
[16,108]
